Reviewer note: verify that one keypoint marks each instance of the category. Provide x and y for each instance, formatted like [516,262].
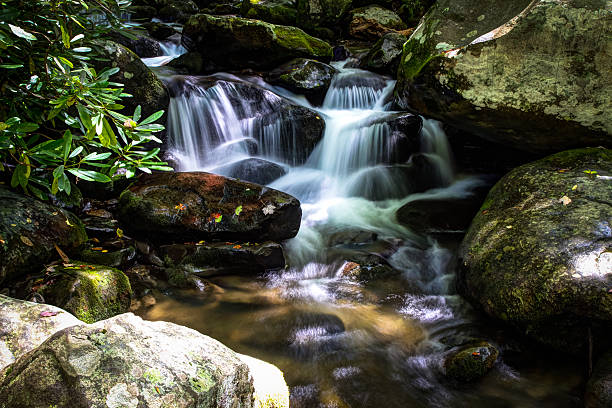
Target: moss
[202,382]
[471,362]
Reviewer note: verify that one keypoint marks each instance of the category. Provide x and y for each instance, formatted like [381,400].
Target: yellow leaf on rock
[26,241]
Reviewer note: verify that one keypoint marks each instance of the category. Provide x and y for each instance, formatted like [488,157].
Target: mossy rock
[599,388]
[384,56]
[505,71]
[232,43]
[314,14]
[282,12]
[537,256]
[204,206]
[471,361]
[166,10]
[29,231]
[113,258]
[372,22]
[305,77]
[89,292]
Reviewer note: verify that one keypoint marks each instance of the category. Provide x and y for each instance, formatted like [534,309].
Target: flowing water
[339,342]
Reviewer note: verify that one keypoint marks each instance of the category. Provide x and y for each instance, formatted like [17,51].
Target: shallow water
[342,343]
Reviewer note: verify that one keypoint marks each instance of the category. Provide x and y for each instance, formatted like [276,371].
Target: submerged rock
[255,170]
[203,206]
[471,361]
[385,55]
[89,292]
[29,231]
[142,46]
[159,31]
[26,325]
[304,77]
[599,388]
[537,255]
[366,268]
[372,22]
[502,70]
[282,12]
[231,43]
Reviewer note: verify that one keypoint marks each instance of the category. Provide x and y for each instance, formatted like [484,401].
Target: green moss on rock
[470,362]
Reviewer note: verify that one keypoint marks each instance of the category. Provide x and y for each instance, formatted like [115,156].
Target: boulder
[124,362]
[255,170]
[138,80]
[313,14]
[372,22]
[208,259]
[410,11]
[89,292]
[203,206]
[29,231]
[176,10]
[599,388]
[434,215]
[113,257]
[471,361]
[364,268]
[159,31]
[537,255]
[26,325]
[232,43]
[281,12]
[142,46]
[304,77]
[528,74]
[385,55]
[223,8]
[402,132]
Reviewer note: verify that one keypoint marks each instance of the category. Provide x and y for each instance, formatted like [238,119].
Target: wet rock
[430,215]
[138,80]
[366,268]
[513,81]
[203,206]
[224,257]
[232,43]
[410,11]
[89,292]
[385,55]
[29,231]
[471,361]
[178,11]
[142,46]
[372,22]
[23,329]
[124,361]
[269,383]
[599,388]
[160,31]
[537,254]
[223,8]
[282,12]
[113,258]
[304,77]
[255,170]
[403,135]
[100,228]
[313,14]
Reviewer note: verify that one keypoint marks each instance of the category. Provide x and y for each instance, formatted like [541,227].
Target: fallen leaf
[62,254]
[29,220]
[268,209]
[119,232]
[238,210]
[69,223]
[104,251]
[237,246]
[575,187]
[48,314]
[509,226]
[563,170]
[96,248]
[26,241]
[565,200]
[476,353]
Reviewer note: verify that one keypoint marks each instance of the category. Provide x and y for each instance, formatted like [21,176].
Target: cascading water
[339,342]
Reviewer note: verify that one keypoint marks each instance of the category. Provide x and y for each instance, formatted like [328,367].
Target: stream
[341,343]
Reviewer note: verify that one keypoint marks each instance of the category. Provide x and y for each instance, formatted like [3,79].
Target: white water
[345,185]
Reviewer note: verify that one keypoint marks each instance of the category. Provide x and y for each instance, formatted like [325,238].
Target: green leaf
[20,32]
[67,144]
[11,66]
[97,156]
[152,118]
[85,116]
[26,127]
[81,49]
[77,37]
[59,170]
[76,152]
[137,112]
[90,175]
[65,36]
[107,137]
[238,210]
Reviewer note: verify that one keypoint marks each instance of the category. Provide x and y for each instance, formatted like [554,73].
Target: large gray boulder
[531,74]
[128,362]
[26,325]
[29,231]
[232,43]
[384,56]
[204,206]
[537,255]
[305,77]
